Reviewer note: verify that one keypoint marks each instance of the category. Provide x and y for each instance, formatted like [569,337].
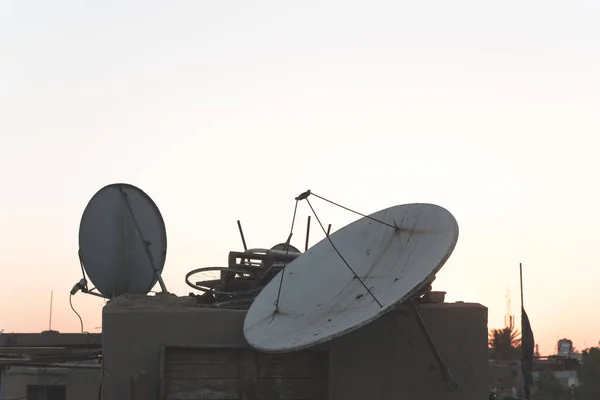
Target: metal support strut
[145,243]
[451,384]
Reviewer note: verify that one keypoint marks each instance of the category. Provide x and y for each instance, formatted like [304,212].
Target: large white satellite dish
[321,298]
[122,241]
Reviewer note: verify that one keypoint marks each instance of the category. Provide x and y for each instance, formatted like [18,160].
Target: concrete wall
[80,384]
[387,359]
[378,362]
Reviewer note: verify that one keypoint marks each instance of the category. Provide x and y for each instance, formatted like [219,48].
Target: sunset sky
[228,110]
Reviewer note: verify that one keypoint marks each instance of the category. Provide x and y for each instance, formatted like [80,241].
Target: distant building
[505,377]
[46,383]
[50,366]
[563,365]
[565,348]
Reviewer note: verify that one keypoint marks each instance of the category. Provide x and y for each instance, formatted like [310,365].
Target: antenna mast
[509,318]
[50,320]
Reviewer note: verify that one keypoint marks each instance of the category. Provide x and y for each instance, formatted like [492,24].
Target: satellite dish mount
[449,381]
[83,283]
[389,268]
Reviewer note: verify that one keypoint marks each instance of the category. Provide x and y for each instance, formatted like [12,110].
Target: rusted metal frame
[212,285]
[267,258]
[234,255]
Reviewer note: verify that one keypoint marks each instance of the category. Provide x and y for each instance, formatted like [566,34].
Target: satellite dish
[321,298]
[122,241]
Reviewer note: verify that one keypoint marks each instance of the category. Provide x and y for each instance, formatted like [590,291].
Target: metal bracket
[451,384]
[303,195]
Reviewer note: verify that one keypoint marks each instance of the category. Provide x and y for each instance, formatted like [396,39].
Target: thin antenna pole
[50,320]
[242,235]
[521,279]
[328,230]
[307,234]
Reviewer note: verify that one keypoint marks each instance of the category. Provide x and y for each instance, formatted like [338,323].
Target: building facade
[50,366]
[47,383]
[170,349]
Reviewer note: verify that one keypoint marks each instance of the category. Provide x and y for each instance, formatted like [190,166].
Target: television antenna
[353,277]
[122,243]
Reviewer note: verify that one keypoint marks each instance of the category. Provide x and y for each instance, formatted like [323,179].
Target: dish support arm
[451,384]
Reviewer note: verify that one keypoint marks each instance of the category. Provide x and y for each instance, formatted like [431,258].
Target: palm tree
[504,344]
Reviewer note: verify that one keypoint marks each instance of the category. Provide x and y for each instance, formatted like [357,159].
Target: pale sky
[228,110]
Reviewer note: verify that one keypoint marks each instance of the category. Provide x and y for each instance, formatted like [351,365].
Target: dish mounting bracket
[451,384]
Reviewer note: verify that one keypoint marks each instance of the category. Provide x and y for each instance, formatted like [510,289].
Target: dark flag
[527,347]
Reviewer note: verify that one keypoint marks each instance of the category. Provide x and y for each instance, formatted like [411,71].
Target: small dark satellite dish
[122,241]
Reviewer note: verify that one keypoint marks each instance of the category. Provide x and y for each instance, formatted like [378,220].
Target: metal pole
[50,321]
[239,224]
[521,279]
[307,233]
